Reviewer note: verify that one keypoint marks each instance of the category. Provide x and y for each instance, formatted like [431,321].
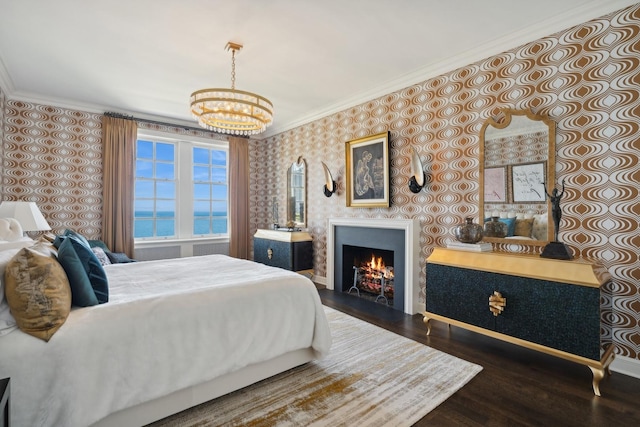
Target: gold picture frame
[367,172]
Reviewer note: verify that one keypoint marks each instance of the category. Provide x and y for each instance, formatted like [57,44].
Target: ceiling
[310,58]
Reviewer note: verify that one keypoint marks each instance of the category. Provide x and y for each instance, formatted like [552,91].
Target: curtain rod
[155,122]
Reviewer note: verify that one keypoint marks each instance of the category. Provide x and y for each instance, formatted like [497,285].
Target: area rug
[372,377]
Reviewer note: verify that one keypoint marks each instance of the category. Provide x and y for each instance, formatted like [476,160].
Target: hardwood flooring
[517,387]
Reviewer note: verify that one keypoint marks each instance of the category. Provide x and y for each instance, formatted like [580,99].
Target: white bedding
[168,325]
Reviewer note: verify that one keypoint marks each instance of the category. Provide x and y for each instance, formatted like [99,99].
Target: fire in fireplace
[372,273]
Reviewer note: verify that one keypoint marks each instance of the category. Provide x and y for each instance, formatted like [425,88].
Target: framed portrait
[495,185]
[367,171]
[527,182]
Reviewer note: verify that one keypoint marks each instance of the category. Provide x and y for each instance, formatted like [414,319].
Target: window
[181,189]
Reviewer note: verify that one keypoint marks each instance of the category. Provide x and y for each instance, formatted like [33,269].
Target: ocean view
[165,224]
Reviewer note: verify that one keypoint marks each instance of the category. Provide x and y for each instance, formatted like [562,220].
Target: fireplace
[371,275]
[394,240]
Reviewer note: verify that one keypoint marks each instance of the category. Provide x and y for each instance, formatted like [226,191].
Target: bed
[174,333]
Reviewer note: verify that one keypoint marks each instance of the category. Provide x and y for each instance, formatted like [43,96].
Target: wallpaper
[585,78]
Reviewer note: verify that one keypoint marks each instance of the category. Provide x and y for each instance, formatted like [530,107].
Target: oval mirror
[297,194]
[517,165]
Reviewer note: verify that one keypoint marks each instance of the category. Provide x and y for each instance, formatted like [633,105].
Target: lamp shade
[26,213]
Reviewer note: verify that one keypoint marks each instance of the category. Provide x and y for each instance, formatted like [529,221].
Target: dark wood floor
[517,387]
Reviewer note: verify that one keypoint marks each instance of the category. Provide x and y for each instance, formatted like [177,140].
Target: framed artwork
[367,171]
[527,182]
[495,185]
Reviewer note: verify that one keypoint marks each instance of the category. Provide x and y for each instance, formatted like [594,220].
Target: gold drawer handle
[497,303]
[269,253]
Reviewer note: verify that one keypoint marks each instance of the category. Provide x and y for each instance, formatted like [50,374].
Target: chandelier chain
[233,69]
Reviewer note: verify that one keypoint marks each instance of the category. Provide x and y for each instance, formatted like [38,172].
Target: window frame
[184,179]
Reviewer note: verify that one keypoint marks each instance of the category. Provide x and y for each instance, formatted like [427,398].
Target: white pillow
[10,229]
[7,322]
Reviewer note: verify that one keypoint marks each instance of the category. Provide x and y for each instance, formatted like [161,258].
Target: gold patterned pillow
[38,293]
[524,227]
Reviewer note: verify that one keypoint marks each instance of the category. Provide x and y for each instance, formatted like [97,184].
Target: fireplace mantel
[411,229]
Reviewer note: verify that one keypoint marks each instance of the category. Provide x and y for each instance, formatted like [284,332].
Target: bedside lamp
[26,213]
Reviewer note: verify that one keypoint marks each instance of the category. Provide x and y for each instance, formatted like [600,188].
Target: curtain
[118,157]
[239,197]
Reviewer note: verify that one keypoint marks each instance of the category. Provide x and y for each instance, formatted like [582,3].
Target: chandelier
[231,111]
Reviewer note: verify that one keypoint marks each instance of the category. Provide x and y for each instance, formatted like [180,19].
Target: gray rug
[372,377]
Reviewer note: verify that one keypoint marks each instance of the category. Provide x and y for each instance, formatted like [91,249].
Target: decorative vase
[469,231]
[495,228]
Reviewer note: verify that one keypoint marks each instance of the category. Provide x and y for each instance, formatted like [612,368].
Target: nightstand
[291,250]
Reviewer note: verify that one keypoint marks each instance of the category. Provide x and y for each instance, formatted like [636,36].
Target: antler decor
[497,303]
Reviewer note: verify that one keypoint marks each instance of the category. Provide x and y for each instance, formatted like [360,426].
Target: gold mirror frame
[503,123]
[297,193]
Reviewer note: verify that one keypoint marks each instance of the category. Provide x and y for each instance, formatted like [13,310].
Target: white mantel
[411,229]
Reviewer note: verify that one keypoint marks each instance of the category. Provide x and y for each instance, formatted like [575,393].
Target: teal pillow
[98,244]
[92,267]
[511,225]
[82,293]
[69,232]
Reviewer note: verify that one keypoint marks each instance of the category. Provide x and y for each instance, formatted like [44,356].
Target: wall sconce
[330,184]
[418,177]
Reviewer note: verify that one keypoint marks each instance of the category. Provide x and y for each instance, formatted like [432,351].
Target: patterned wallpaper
[2,106]
[585,78]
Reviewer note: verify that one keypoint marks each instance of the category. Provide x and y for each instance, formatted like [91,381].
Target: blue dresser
[544,304]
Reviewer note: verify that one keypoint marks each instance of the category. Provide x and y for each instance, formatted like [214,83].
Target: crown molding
[94,108]
[563,21]
[6,84]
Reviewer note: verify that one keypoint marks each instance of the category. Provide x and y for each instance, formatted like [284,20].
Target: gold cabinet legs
[425,319]
[598,371]
[598,367]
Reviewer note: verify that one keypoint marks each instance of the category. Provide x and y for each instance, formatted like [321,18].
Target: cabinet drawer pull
[497,303]
[269,253]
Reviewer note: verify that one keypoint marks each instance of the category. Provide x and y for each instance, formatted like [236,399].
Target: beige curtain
[239,197]
[118,157]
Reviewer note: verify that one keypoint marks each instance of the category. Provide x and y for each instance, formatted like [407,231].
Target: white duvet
[168,325]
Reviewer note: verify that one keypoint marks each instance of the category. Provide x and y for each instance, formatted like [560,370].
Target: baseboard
[320,280]
[626,365]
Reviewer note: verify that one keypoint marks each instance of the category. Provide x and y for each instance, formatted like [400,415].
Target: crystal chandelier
[231,111]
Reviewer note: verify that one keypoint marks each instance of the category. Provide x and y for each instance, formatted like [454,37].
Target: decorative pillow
[98,244]
[83,294]
[93,269]
[81,291]
[101,255]
[119,257]
[523,227]
[539,230]
[511,225]
[45,247]
[38,293]
[80,237]
[7,321]
[10,229]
